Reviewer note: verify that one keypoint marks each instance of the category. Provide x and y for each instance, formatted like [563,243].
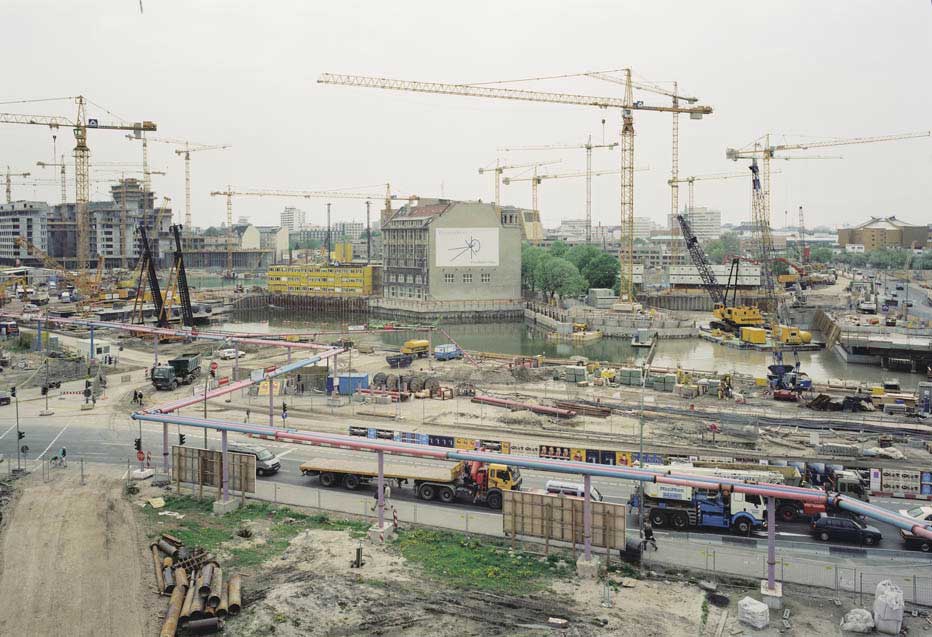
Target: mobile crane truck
[681,507]
[477,482]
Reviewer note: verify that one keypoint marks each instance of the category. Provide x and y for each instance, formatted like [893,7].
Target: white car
[920,513]
[230,353]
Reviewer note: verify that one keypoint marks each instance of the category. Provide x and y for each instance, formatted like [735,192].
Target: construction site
[556,395]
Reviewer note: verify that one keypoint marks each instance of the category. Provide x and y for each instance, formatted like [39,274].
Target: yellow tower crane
[81,123]
[536,180]
[61,166]
[498,169]
[9,182]
[626,104]
[588,147]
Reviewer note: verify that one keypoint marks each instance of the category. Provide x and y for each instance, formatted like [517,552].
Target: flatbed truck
[477,482]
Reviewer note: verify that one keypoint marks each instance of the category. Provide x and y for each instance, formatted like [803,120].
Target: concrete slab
[381,535]
[773,598]
[47,412]
[221,507]
[587,569]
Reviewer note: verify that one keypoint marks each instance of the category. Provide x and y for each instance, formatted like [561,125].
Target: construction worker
[647,537]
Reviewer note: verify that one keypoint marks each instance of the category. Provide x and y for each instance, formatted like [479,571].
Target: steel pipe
[170,626]
[157,561]
[216,585]
[234,591]
[204,626]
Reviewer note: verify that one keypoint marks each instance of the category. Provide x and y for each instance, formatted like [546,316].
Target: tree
[821,255]
[581,255]
[717,249]
[558,249]
[602,271]
[555,275]
[530,257]
[779,267]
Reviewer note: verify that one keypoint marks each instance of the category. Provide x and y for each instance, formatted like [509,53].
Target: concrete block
[87,406]
[47,412]
[858,620]
[773,598]
[888,608]
[753,613]
[142,474]
[220,507]
[587,569]
[381,535]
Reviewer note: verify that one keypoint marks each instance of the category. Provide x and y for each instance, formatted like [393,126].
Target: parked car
[230,353]
[914,542]
[918,513]
[827,527]
[267,463]
[5,398]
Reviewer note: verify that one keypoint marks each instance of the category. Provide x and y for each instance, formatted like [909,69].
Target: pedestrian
[64,457]
[247,415]
[647,533]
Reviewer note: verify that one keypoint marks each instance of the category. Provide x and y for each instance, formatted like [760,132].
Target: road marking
[787,533]
[285,453]
[12,427]
[39,457]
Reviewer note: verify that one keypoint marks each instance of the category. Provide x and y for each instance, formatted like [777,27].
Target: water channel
[518,338]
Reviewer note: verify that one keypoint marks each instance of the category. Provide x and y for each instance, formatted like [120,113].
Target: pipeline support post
[235,361]
[38,336]
[224,462]
[165,447]
[586,567]
[271,402]
[289,354]
[91,356]
[155,350]
[381,488]
[771,591]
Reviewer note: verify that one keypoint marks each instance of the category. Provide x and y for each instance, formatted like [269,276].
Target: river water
[518,338]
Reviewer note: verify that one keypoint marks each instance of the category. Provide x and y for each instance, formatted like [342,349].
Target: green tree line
[567,271]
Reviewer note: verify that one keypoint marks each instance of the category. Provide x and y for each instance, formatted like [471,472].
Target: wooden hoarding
[204,467]
[560,518]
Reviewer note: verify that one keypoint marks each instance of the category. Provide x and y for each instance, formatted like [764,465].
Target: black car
[827,527]
[914,542]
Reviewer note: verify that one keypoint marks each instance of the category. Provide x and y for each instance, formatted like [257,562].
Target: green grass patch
[465,562]
[201,528]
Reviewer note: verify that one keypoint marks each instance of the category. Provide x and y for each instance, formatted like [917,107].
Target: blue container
[348,383]
[926,476]
[926,489]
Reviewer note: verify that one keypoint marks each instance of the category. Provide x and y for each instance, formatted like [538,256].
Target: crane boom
[701,262]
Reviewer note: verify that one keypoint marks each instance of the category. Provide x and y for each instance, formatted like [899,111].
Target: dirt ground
[70,562]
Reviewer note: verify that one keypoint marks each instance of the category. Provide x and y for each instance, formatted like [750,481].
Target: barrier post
[587,518]
[381,488]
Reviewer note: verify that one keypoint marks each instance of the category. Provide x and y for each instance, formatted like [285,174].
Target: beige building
[884,232]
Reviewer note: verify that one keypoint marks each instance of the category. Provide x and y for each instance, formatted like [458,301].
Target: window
[448,278]
[485,277]
[417,279]
[467,278]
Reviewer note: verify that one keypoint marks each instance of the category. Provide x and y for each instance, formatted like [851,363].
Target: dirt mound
[72,560]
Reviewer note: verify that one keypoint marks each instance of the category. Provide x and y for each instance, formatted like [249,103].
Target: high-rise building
[293,218]
[22,219]
[706,223]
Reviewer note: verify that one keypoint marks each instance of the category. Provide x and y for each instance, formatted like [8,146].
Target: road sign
[213,365]
[885,307]
[140,456]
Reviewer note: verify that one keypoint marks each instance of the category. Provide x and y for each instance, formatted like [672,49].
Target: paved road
[99,437]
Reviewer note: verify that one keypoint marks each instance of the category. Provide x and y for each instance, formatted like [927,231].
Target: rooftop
[884,223]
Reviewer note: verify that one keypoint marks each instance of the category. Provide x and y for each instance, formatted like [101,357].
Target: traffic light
[45,390]
[22,434]
[12,392]
[180,439]
[138,444]
[213,373]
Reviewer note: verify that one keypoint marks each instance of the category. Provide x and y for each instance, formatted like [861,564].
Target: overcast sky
[244,74]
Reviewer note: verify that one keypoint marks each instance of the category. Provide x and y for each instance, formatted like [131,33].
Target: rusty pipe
[223,606]
[168,548]
[205,626]
[169,578]
[203,582]
[216,585]
[157,562]
[170,625]
[167,562]
[197,605]
[186,607]
[235,600]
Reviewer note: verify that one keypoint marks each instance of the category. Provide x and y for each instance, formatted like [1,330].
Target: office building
[878,233]
[27,219]
[293,218]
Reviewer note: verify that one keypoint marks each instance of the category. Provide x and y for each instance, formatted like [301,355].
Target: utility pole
[329,247]
[19,434]
[641,449]
[368,235]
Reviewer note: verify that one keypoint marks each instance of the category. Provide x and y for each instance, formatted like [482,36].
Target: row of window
[485,277]
[401,278]
[406,293]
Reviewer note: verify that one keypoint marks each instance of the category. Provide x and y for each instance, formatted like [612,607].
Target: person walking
[64,457]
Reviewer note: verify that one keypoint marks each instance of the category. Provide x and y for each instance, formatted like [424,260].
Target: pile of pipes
[201,595]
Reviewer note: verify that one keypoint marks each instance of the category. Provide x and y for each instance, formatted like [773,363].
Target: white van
[230,353]
[573,489]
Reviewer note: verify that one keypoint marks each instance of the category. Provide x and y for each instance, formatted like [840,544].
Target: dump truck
[179,371]
[476,482]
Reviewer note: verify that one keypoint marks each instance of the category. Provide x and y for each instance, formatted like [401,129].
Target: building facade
[274,239]
[706,223]
[293,218]
[888,232]
[27,219]
[321,280]
[442,250]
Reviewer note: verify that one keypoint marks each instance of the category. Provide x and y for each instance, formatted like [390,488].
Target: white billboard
[466,247]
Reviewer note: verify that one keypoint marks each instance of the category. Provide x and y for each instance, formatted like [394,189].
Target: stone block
[753,613]
[888,608]
[381,535]
[773,598]
[220,507]
[587,569]
[858,620]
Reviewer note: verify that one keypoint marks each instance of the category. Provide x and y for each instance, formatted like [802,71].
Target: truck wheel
[658,518]
[447,495]
[174,385]
[427,492]
[680,520]
[494,500]
[741,527]
[787,513]
[351,482]
[327,479]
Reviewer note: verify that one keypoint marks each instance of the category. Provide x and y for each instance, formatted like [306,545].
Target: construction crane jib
[627,104]
[81,123]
